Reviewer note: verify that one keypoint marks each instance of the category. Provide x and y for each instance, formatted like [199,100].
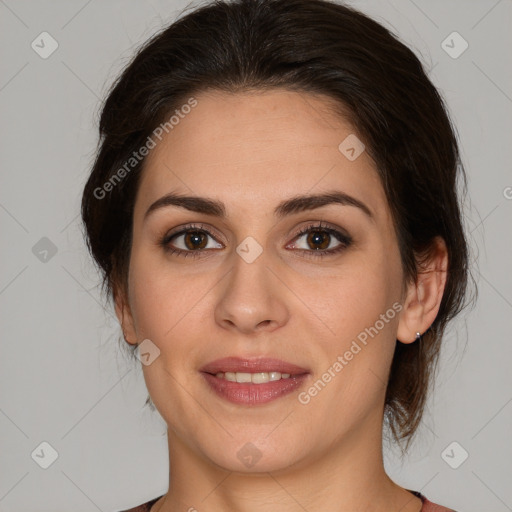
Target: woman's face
[248,285]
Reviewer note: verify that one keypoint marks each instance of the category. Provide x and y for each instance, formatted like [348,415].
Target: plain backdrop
[63,378]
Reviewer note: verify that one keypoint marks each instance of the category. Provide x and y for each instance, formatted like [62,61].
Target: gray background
[63,378]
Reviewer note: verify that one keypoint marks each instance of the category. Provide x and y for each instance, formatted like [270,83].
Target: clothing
[145,507]
[428,506]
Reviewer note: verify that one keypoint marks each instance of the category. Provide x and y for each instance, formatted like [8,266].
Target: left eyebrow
[285,208]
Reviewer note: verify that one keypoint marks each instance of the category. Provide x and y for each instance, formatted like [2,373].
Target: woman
[274,209]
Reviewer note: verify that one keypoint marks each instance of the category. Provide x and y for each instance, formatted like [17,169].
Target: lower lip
[247,393]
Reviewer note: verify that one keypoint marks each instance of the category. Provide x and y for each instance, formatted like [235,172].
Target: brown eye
[195,240]
[191,240]
[318,240]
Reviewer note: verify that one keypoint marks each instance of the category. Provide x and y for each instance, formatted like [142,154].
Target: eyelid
[335,231]
[192,226]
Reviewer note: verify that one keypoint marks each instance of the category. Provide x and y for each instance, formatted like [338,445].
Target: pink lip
[247,393]
[253,365]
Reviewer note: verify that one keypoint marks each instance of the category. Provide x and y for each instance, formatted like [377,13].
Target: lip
[252,365]
[247,393]
[243,393]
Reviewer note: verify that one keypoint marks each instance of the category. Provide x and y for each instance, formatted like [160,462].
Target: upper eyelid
[318,224]
[193,227]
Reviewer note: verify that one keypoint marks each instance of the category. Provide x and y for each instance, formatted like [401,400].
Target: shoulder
[144,507]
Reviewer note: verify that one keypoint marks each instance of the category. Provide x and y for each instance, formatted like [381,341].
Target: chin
[262,456]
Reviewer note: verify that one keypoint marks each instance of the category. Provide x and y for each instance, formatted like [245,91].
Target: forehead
[252,149]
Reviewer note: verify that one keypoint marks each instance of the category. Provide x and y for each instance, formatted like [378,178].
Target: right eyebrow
[287,207]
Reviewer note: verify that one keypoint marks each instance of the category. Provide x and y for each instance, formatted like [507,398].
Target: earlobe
[410,321]
[424,296]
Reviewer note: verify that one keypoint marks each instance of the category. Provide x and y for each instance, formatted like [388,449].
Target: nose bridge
[251,295]
[250,279]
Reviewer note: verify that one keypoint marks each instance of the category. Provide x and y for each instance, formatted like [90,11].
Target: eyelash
[345,240]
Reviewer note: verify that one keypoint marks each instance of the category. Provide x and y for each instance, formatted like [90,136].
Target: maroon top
[428,506]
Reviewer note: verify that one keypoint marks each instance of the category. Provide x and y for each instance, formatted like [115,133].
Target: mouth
[253,381]
[252,365]
[254,378]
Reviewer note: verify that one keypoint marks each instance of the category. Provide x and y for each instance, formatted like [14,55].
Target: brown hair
[311,46]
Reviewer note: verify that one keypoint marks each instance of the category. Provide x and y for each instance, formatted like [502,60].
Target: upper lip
[252,365]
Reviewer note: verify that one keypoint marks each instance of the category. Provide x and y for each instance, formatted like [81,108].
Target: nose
[252,299]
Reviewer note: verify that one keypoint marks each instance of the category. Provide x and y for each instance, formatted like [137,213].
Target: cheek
[168,307]
[361,308]
[362,311]
[354,300]
[157,300]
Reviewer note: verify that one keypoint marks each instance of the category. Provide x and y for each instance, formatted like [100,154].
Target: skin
[251,150]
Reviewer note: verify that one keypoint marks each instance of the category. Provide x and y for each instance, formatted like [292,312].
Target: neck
[349,476]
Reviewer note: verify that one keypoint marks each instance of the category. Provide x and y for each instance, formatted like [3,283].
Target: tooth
[255,378]
[259,378]
[243,377]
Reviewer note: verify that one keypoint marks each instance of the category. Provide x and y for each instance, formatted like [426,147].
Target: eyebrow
[287,207]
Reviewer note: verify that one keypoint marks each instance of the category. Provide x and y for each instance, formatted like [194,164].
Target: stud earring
[418,337]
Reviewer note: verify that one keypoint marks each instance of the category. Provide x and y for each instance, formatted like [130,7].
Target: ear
[125,317]
[423,297]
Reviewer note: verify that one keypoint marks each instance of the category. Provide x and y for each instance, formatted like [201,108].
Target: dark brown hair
[312,46]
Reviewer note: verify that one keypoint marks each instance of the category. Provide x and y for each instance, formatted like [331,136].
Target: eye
[192,239]
[321,237]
